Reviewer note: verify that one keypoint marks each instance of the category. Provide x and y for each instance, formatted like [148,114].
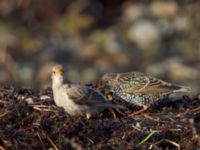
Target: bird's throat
[57,82]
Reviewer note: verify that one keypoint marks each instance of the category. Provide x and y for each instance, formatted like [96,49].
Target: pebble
[43,97]
[138,125]
[29,100]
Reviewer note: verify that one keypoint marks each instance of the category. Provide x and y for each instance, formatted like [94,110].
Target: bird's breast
[62,100]
[136,98]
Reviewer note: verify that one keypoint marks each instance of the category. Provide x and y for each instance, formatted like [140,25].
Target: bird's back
[140,89]
[88,99]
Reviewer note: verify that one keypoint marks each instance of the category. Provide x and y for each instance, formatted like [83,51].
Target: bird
[140,89]
[77,99]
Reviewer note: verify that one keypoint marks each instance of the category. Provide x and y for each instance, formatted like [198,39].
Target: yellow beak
[59,73]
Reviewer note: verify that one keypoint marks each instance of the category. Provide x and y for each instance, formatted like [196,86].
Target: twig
[188,112]
[40,140]
[171,142]
[41,106]
[44,108]
[4,102]
[52,143]
[175,130]
[136,128]
[90,140]
[2,148]
[149,117]
[3,114]
[194,110]
[146,138]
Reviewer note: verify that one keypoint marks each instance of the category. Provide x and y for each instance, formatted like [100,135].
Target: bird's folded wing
[148,85]
[83,95]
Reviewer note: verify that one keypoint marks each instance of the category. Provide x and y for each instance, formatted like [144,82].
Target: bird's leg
[138,112]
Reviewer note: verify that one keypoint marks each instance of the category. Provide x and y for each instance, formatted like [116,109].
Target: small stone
[43,97]
[29,100]
[138,125]
[20,97]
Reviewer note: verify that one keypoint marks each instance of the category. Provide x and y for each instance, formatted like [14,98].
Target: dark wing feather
[84,95]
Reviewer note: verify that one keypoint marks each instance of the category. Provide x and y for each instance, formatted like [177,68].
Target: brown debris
[42,125]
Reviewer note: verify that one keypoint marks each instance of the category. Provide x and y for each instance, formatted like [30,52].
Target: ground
[29,119]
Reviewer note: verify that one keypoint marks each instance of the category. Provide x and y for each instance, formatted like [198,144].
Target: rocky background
[92,37]
[89,38]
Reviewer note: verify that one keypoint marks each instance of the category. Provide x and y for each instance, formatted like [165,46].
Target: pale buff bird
[140,89]
[77,99]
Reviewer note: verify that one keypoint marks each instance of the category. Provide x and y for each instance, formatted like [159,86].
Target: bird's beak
[59,73]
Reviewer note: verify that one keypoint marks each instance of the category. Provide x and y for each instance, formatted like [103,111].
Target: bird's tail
[190,92]
[184,89]
[111,105]
[118,106]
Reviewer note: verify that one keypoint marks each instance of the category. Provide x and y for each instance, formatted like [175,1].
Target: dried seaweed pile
[30,120]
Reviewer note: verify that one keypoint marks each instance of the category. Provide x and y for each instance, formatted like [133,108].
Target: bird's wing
[84,95]
[139,83]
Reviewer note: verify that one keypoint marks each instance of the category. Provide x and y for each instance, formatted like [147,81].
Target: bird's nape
[108,76]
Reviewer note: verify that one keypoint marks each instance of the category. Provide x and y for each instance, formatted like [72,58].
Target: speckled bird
[140,89]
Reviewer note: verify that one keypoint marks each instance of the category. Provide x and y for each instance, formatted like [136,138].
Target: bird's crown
[108,76]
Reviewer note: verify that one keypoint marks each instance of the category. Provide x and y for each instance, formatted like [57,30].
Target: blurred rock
[88,75]
[7,7]
[181,23]
[84,75]
[4,75]
[145,35]
[47,55]
[7,39]
[89,51]
[74,21]
[112,61]
[43,75]
[174,70]
[164,9]
[90,38]
[25,74]
[108,40]
[133,11]
[3,53]
[73,75]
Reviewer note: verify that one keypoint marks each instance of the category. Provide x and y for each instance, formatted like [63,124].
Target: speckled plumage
[140,89]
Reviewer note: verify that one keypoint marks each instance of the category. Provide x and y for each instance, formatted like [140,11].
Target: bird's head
[57,74]
[108,78]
